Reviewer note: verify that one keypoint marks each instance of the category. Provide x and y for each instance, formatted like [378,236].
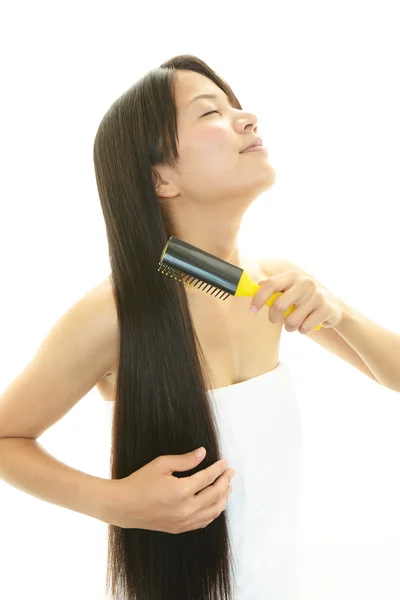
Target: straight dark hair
[161,401]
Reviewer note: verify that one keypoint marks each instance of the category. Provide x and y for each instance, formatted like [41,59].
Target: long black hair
[161,401]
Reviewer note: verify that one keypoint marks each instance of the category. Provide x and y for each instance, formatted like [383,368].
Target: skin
[213,184]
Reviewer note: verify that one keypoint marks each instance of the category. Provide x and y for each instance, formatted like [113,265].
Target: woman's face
[211,136]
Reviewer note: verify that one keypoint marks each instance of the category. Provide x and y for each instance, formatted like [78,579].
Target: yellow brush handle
[248,287]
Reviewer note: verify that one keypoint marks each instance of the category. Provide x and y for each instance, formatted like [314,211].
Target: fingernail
[253,308]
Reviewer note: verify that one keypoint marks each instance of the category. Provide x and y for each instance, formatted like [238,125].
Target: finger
[296,318]
[301,297]
[276,283]
[213,511]
[206,498]
[208,517]
[307,315]
[282,304]
[313,320]
[197,482]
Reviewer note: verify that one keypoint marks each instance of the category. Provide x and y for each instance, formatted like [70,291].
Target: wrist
[103,502]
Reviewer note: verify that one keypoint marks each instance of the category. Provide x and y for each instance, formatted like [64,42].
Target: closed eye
[209,113]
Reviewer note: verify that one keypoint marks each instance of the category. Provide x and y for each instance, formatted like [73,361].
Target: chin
[268,179]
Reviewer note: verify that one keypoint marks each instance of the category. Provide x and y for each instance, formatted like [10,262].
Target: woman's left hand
[298,301]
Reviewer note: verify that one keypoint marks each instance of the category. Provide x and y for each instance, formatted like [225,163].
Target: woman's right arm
[26,465]
[73,357]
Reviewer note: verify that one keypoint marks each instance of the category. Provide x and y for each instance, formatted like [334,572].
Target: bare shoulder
[70,361]
[273,265]
[269,266]
[103,293]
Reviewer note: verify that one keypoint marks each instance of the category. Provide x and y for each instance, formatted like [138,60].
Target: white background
[323,81]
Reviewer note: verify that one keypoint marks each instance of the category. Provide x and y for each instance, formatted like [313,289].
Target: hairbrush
[211,274]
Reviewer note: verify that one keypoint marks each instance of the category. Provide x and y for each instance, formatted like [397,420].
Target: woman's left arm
[378,347]
[346,332]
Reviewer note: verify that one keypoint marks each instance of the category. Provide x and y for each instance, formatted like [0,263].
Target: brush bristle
[191,281]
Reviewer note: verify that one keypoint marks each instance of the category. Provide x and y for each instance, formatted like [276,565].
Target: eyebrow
[213,96]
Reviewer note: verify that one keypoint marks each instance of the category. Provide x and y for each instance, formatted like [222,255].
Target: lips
[257,142]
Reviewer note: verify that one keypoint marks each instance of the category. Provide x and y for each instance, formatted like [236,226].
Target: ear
[163,182]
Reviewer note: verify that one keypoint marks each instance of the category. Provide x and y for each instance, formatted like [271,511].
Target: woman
[185,370]
[169,162]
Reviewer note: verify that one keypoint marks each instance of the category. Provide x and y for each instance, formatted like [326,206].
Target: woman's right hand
[152,498]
